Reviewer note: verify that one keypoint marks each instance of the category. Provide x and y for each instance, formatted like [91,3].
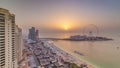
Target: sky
[56,16]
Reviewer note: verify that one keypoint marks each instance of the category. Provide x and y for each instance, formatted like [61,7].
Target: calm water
[103,54]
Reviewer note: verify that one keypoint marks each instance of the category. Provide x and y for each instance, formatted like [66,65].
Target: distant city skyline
[65,15]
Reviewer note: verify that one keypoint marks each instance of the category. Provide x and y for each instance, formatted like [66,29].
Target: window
[2,20]
[2,17]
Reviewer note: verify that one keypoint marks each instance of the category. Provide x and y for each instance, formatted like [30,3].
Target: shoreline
[66,56]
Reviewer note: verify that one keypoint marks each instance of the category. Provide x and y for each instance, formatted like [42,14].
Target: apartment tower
[8,57]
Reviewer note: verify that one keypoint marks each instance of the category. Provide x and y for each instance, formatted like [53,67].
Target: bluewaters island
[87,38]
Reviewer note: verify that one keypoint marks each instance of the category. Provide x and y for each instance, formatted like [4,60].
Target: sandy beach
[67,57]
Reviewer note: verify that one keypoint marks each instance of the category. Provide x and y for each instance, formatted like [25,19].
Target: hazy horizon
[57,16]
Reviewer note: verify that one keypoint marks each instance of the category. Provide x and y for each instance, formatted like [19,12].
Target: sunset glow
[66,26]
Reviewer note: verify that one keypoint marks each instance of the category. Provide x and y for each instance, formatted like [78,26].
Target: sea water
[102,54]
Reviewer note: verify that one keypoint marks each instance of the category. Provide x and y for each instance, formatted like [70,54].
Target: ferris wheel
[91,30]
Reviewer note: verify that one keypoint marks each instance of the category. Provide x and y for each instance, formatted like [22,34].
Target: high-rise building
[37,34]
[33,34]
[8,54]
[18,43]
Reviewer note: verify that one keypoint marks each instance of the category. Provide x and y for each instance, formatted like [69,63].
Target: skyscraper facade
[8,54]
[18,43]
[37,34]
[33,34]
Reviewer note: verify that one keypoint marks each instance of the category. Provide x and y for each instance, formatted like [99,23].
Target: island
[87,38]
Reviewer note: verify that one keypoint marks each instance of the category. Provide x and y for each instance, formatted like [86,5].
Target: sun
[66,27]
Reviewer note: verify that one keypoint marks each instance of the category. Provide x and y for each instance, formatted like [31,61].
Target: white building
[8,58]
[18,43]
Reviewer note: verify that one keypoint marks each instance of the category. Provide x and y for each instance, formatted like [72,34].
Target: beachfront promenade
[45,54]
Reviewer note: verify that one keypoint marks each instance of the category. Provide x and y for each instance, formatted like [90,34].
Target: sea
[102,54]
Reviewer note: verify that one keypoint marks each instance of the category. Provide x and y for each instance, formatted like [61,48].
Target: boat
[81,54]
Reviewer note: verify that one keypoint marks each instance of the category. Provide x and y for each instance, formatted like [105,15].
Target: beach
[67,57]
